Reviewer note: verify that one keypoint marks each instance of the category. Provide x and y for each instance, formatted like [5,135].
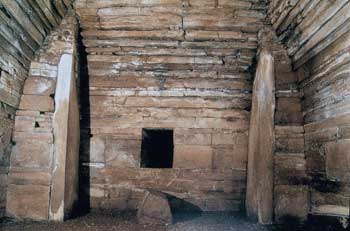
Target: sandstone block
[338,160]
[97,149]
[185,136]
[28,201]
[332,210]
[154,209]
[124,153]
[138,22]
[37,103]
[192,156]
[43,73]
[33,124]
[240,151]
[290,168]
[32,154]
[222,138]
[24,177]
[345,131]
[288,104]
[214,35]
[39,86]
[291,201]
[223,157]
[295,145]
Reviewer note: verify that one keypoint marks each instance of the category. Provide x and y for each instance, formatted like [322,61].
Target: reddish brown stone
[30,201]
[154,209]
[39,86]
[192,156]
[37,103]
[338,160]
[291,201]
[259,199]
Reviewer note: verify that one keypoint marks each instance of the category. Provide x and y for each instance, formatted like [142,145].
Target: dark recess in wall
[157,148]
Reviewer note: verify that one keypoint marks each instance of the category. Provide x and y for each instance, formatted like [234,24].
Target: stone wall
[36,179]
[23,28]
[316,34]
[181,65]
[308,26]
[326,108]
[185,65]
[290,179]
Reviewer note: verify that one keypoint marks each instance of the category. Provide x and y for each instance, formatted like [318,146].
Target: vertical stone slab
[72,156]
[65,174]
[259,198]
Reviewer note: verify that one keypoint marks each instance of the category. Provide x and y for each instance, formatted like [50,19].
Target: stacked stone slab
[290,184]
[317,37]
[327,122]
[309,26]
[23,28]
[181,65]
[36,158]
[185,65]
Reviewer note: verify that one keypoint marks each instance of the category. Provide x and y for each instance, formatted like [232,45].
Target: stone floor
[126,221]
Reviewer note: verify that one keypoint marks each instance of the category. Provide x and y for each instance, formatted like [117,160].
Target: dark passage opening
[157,148]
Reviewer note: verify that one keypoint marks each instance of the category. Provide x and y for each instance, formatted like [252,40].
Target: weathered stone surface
[331,210]
[30,201]
[97,149]
[323,60]
[189,136]
[338,160]
[192,156]
[37,153]
[290,144]
[22,34]
[290,169]
[154,209]
[188,69]
[317,25]
[32,153]
[66,130]
[23,177]
[240,151]
[37,103]
[162,75]
[291,201]
[39,86]
[124,153]
[259,199]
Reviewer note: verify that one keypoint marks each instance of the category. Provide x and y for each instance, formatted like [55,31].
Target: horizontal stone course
[186,69]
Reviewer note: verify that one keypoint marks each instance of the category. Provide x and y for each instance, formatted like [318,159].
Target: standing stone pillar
[259,198]
[64,188]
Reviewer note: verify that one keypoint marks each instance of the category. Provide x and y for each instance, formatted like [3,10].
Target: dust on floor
[126,221]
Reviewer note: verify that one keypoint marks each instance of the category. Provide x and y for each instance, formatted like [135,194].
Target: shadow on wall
[182,210]
[84,152]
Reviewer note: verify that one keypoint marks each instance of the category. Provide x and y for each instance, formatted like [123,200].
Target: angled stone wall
[36,179]
[23,28]
[325,81]
[309,26]
[317,36]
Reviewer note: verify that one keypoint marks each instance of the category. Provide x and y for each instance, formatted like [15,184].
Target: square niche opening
[157,148]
